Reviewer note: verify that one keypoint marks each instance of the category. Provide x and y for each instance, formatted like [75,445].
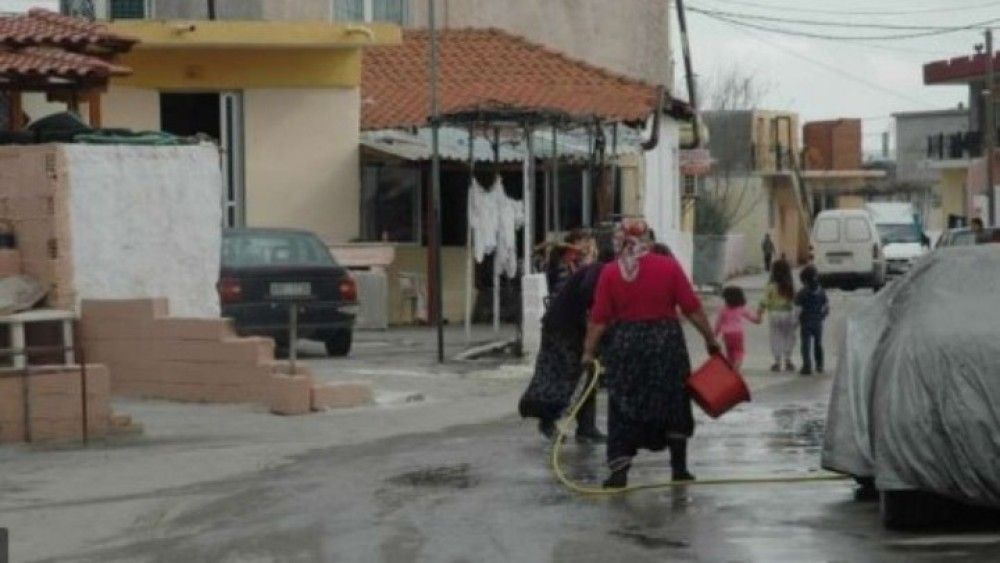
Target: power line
[845,12]
[812,35]
[839,71]
[822,23]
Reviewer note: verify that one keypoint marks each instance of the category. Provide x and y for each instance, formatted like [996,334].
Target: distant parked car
[915,405]
[267,271]
[967,237]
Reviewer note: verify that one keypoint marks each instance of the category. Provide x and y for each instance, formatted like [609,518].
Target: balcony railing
[955,146]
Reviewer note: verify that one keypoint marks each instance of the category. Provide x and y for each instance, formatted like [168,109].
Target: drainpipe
[211,10]
[654,137]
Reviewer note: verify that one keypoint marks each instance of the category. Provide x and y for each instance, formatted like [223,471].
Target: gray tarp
[916,399]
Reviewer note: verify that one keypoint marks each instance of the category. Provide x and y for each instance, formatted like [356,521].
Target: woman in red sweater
[648,403]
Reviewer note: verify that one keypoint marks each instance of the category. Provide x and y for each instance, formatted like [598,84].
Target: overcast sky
[819,78]
[824,79]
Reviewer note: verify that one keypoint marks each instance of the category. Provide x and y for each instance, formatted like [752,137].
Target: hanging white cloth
[483,220]
[495,218]
[510,214]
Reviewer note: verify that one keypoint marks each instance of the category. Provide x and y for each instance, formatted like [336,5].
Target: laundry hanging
[494,219]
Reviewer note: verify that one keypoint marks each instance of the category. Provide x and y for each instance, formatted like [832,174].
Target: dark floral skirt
[648,403]
[557,373]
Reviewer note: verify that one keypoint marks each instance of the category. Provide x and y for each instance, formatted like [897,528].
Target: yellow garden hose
[562,428]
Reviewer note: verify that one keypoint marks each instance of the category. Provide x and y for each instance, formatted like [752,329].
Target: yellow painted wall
[850,202]
[220,69]
[133,108]
[790,238]
[952,191]
[413,258]
[302,161]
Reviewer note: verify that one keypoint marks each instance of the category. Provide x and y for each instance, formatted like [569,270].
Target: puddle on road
[648,541]
[448,476]
[799,426]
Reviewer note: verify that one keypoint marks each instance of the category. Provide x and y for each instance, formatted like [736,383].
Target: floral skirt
[648,402]
[557,373]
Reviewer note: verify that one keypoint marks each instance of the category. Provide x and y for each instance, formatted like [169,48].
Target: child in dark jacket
[813,307]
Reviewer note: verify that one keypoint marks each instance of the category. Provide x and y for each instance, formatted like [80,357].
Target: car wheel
[866,491]
[339,344]
[908,510]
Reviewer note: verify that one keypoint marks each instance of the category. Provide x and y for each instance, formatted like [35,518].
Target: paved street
[442,470]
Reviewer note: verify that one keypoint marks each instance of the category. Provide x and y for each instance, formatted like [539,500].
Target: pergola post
[614,167]
[470,258]
[529,198]
[556,204]
[496,267]
[94,109]
[14,110]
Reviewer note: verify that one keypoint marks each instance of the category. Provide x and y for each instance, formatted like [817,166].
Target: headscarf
[631,244]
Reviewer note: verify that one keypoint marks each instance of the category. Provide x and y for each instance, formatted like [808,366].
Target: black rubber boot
[547,428]
[678,461]
[617,480]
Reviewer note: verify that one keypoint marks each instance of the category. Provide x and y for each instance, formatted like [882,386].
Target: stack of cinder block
[153,355]
[37,203]
[49,400]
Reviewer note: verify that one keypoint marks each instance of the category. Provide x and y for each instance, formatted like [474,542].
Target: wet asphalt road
[484,493]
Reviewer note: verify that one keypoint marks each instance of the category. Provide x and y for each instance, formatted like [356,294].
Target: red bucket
[717,387]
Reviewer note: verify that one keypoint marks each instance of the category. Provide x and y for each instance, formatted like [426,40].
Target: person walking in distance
[778,303]
[768,248]
[642,294]
[813,308]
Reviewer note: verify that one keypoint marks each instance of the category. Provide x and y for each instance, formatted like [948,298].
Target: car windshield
[274,249]
[901,233]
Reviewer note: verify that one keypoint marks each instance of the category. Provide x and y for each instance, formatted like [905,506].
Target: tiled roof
[489,68]
[42,27]
[43,62]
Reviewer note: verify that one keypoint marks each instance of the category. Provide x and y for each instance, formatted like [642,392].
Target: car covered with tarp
[915,405]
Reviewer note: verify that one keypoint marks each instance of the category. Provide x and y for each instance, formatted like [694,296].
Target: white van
[903,242]
[847,250]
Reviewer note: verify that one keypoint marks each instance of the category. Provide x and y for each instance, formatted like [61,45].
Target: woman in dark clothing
[558,367]
[648,404]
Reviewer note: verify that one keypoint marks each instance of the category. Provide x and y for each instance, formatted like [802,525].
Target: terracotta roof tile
[489,68]
[43,62]
[42,27]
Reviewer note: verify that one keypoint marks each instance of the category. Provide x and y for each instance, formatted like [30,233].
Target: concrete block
[56,430]
[290,395]
[235,351]
[340,395]
[195,329]
[11,399]
[10,262]
[213,374]
[125,309]
[93,329]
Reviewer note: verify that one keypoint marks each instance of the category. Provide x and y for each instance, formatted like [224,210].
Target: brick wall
[833,145]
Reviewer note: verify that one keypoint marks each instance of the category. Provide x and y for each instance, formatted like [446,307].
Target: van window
[828,230]
[858,231]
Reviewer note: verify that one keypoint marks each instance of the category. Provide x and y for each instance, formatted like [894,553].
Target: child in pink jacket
[729,324]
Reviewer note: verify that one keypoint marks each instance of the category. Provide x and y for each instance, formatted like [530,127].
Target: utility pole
[689,71]
[435,214]
[990,130]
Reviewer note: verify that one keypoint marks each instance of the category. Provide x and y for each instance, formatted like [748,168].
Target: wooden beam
[94,108]
[15,110]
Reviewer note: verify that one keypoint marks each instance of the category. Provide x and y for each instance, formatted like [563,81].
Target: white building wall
[144,222]
[662,193]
